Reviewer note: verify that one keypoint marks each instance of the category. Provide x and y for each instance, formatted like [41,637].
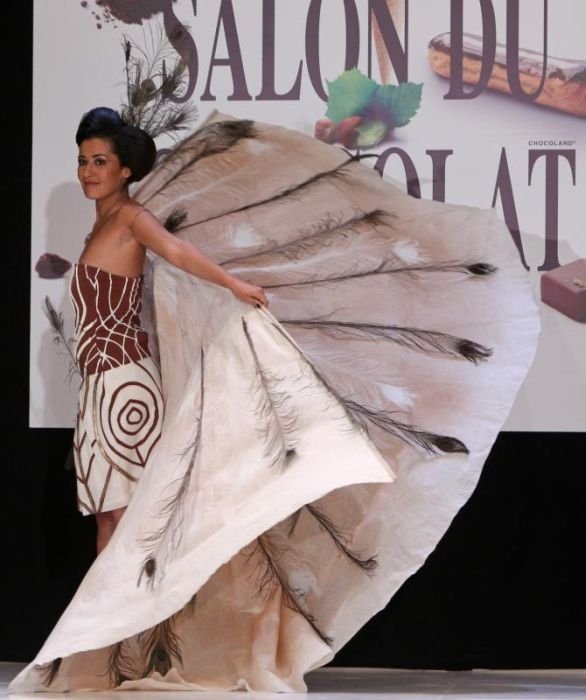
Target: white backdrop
[78,66]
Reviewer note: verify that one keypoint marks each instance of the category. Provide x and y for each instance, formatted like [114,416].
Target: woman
[309,461]
[112,349]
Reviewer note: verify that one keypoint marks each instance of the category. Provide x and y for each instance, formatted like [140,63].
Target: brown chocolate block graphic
[51,266]
[564,288]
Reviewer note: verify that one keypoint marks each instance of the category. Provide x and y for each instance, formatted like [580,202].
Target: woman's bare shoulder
[130,211]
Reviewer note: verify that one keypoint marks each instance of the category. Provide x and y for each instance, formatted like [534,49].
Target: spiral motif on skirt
[129,415]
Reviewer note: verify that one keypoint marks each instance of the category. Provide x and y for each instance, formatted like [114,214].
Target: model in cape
[311,456]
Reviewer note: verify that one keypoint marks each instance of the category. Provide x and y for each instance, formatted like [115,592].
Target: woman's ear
[126,172]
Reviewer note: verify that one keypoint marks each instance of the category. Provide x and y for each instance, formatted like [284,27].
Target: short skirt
[118,425]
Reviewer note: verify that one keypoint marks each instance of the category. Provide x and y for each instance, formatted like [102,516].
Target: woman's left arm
[148,231]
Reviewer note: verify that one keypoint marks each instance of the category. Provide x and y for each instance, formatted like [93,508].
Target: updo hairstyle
[135,149]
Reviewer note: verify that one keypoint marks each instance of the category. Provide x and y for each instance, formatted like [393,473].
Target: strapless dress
[120,409]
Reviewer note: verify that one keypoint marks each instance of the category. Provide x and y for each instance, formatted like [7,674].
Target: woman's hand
[249,293]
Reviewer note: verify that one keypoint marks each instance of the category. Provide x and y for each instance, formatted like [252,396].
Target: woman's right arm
[148,231]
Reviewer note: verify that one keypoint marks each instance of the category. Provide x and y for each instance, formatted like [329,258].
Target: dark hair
[133,146]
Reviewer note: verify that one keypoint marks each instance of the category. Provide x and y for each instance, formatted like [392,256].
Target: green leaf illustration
[399,102]
[380,107]
[349,94]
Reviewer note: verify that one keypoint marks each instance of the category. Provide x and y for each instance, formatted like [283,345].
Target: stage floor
[395,684]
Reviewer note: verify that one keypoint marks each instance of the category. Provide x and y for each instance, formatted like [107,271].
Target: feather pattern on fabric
[161,647]
[293,192]
[385,266]
[161,543]
[432,443]
[427,341]
[210,140]
[367,565]
[120,664]
[363,416]
[278,420]
[332,249]
[48,672]
[270,577]
[175,219]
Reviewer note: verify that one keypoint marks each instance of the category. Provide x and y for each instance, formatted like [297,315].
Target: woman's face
[99,170]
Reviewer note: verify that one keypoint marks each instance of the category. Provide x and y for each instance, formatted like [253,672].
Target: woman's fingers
[250,293]
[258,297]
[260,301]
[262,297]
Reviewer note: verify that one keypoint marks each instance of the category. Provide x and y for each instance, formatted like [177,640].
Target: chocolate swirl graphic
[129,419]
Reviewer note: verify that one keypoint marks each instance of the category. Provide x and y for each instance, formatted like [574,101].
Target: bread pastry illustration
[564,88]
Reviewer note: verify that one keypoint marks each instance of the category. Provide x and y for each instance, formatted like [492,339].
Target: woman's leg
[107,523]
[105,529]
[116,515]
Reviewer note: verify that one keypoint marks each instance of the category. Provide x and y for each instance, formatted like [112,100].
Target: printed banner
[473,102]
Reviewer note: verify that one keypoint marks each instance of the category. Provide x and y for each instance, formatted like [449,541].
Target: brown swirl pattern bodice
[107,322]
